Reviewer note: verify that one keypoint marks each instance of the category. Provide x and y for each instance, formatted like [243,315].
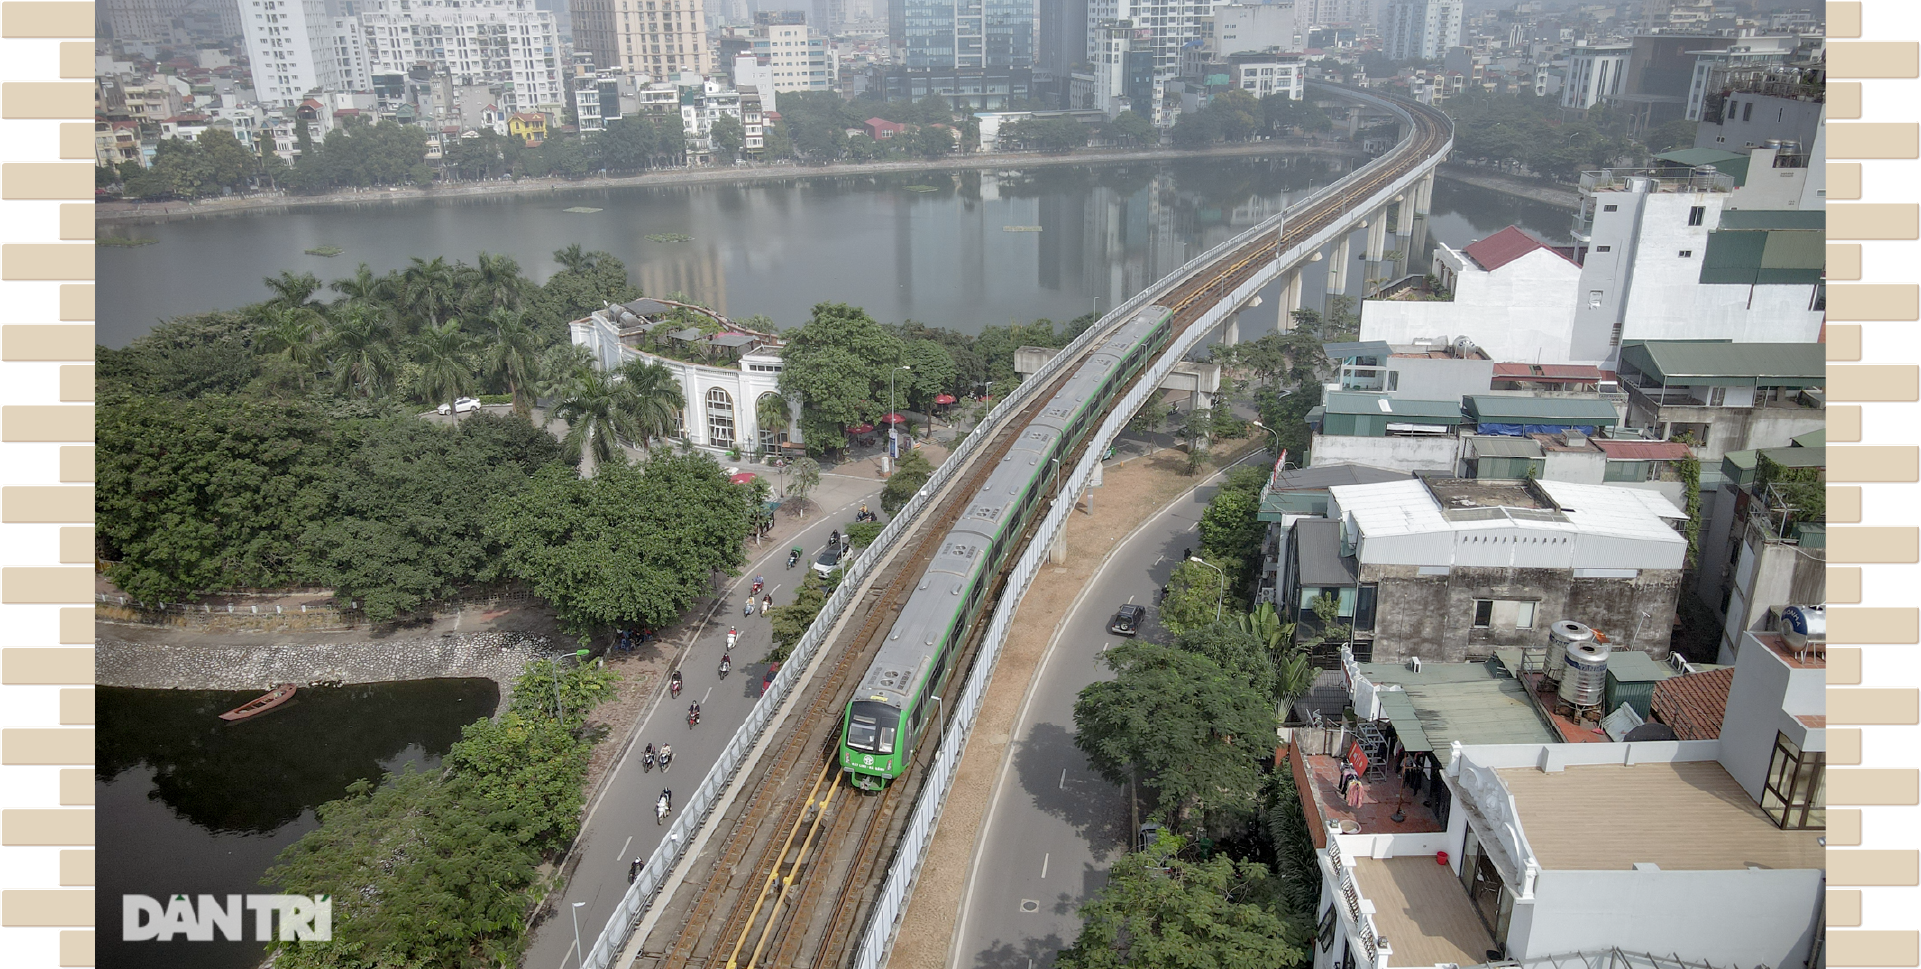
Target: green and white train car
[897,698]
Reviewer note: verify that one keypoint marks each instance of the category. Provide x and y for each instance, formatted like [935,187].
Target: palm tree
[513,355]
[596,419]
[292,291]
[560,365]
[441,352]
[289,333]
[574,260]
[360,350]
[495,282]
[428,289]
[772,416]
[651,395]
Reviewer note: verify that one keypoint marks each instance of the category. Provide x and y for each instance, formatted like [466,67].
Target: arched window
[771,433]
[720,418]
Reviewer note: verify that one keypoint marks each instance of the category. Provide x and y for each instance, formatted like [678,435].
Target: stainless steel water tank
[1800,624]
[1559,637]
[1584,683]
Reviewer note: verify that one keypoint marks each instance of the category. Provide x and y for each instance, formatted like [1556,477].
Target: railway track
[804,854]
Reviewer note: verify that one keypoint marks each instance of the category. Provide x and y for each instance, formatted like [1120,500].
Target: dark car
[829,561]
[1128,620]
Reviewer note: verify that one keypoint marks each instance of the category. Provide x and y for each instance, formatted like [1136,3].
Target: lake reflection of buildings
[698,273]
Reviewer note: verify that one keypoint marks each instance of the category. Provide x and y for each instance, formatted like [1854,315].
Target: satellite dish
[1648,732]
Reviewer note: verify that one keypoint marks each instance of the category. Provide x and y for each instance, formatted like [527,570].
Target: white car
[461,406]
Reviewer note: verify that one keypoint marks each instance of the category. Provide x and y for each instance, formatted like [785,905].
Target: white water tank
[1803,624]
[1584,682]
[1559,636]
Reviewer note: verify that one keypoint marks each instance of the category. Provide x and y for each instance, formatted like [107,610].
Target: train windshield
[871,727]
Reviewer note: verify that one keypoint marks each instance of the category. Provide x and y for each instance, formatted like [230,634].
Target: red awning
[944,399]
[743,477]
[860,428]
[893,419]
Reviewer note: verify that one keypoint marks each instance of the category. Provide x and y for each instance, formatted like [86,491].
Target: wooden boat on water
[261,704]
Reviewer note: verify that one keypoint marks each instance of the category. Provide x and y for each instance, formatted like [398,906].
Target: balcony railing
[1666,179]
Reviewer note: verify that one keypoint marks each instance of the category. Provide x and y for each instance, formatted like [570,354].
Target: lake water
[952,249]
[190,803]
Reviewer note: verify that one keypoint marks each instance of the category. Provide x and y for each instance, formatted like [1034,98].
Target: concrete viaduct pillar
[1290,301]
[1337,267]
[1377,235]
[1425,195]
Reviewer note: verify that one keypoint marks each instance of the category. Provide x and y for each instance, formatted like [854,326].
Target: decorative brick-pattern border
[46,470]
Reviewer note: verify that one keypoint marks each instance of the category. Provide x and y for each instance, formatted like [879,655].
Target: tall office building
[1172,25]
[506,42]
[656,37]
[992,35]
[139,21]
[795,59]
[301,46]
[1061,43]
[1341,13]
[1421,30]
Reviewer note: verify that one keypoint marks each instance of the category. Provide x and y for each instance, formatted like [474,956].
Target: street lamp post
[1223,577]
[1277,436]
[580,955]
[893,428]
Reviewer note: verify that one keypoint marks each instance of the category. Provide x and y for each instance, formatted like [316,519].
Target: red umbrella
[944,399]
[743,477]
[860,428]
[893,419]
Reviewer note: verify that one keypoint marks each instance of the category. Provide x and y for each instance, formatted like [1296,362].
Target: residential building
[1421,30]
[1510,292]
[1574,456]
[795,59]
[1339,13]
[1781,176]
[722,392]
[117,142]
[1668,15]
[527,127]
[1426,371]
[881,129]
[1763,542]
[1445,569]
[1707,851]
[1659,69]
[1722,69]
[1386,432]
[1593,74]
[1737,120]
[298,47]
[1694,704]
[699,109]
[659,38]
[1165,28]
[1125,78]
[1256,27]
[139,21]
[1265,74]
[472,42]
[979,89]
[1725,396]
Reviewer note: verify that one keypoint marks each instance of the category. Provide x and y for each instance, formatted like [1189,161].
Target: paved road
[621,826]
[1053,826]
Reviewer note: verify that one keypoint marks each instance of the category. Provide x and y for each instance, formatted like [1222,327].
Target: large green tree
[633,544]
[1159,909]
[837,365]
[1195,732]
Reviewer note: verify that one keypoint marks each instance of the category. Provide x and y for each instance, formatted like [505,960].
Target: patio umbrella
[893,419]
[743,477]
[944,399]
[860,429]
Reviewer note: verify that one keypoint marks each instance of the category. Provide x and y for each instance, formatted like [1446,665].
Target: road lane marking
[1044,860]
[1160,560]
[622,853]
[1130,600]
[704,696]
[1062,785]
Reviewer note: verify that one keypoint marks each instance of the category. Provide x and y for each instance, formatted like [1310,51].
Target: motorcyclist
[726,664]
[732,635]
[693,713]
[633,870]
[674,683]
[758,582]
[766,604]
[792,557]
[666,755]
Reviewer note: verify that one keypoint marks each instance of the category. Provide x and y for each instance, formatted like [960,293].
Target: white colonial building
[722,395]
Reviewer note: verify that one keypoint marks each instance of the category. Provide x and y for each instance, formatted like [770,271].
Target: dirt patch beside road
[1128,496]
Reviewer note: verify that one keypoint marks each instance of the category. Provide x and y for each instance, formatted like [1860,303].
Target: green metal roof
[1753,246]
[1732,163]
[1542,410]
[1474,703]
[1797,457]
[1729,364]
[1774,219]
[1812,439]
[1634,666]
[1490,446]
[1398,409]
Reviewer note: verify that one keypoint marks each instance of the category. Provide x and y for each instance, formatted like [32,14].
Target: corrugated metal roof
[1402,408]
[1730,364]
[1504,247]
[1474,703]
[1542,410]
[1642,450]
[1318,554]
[1812,439]
[1634,666]
[1546,371]
[1370,348]
[1797,457]
[1491,446]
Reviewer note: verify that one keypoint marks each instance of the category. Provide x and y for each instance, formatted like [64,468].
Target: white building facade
[506,42]
[1594,73]
[1421,30]
[300,46]
[1268,75]
[795,59]
[655,37]
[721,402]
[1256,27]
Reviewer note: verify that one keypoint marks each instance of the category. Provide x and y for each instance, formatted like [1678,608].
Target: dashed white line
[1062,785]
[622,853]
[1044,860]
[704,696]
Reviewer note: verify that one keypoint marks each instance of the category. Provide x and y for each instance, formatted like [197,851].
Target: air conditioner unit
[1414,663]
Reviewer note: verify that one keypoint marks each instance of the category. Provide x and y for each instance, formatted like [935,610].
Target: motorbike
[633,870]
[758,582]
[793,557]
[647,759]
[673,685]
[733,635]
[726,664]
[662,806]
[693,718]
[748,609]
[666,757]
